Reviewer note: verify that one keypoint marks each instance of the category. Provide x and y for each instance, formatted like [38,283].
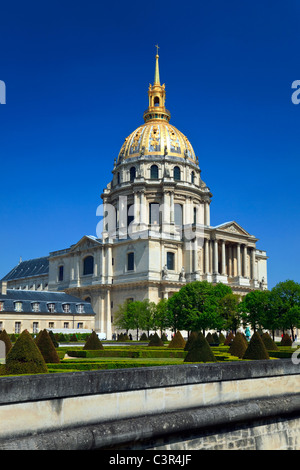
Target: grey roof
[27,297]
[25,269]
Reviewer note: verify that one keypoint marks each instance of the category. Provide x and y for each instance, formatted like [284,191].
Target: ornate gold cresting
[157,97]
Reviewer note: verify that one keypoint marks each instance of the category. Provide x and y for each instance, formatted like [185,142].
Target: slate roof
[25,269]
[27,297]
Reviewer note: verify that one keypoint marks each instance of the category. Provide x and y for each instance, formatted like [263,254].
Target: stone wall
[242,405]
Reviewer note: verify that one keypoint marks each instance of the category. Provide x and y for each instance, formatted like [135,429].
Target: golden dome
[157,138]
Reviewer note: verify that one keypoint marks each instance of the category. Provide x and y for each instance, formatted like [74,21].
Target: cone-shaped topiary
[53,339]
[93,342]
[269,343]
[216,339]
[200,351]
[209,338]
[144,337]
[25,357]
[256,349]
[238,346]
[229,339]
[221,338]
[286,340]
[177,341]
[155,341]
[46,346]
[6,339]
[193,336]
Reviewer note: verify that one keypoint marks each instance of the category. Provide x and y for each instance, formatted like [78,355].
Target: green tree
[286,296]
[229,310]
[253,308]
[160,315]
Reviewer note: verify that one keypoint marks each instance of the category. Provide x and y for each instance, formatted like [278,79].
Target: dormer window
[35,306]
[80,308]
[51,308]
[18,306]
[66,308]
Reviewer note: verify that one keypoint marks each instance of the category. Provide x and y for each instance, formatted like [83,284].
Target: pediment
[85,243]
[233,227]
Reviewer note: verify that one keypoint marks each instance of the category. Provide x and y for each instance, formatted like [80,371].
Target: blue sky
[77,75]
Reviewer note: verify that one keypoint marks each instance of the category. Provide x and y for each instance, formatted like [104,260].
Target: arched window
[176,173]
[154,172]
[132,173]
[60,273]
[192,177]
[118,178]
[88,299]
[156,101]
[88,265]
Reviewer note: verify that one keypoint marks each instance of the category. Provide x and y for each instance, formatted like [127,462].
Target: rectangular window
[61,273]
[1,325]
[80,326]
[1,306]
[35,327]
[51,324]
[66,325]
[154,214]
[170,260]
[17,327]
[130,262]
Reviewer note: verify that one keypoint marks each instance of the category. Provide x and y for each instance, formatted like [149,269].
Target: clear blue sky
[77,75]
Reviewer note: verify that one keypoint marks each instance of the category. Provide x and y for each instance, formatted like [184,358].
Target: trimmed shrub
[73,338]
[200,351]
[144,337]
[229,339]
[238,346]
[209,338]
[6,339]
[25,357]
[269,343]
[193,336]
[93,342]
[46,346]
[177,341]
[216,339]
[286,340]
[221,338]
[155,341]
[256,349]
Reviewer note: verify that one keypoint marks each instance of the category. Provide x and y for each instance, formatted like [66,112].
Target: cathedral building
[156,233]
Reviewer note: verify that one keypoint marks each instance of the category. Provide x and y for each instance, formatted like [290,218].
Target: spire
[157,97]
[156,76]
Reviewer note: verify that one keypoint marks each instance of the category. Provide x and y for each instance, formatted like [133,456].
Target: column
[253,267]
[216,259]
[238,250]
[230,270]
[207,214]
[223,258]
[245,261]
[172,208]
[108,315]
[206,255]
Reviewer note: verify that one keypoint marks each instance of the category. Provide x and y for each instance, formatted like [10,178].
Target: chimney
[4,288]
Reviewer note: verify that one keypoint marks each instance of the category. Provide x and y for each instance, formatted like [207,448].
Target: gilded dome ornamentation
[157,137]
